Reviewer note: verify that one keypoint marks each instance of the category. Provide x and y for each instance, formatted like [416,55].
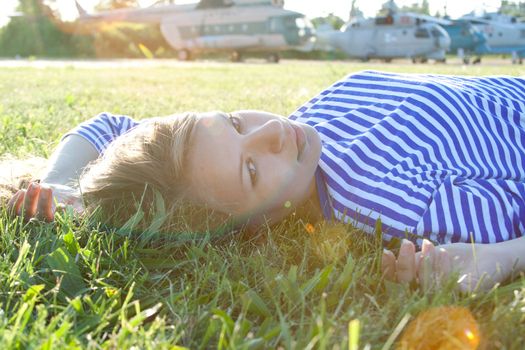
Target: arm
[79,147]
[480,266]
[58,183]
[68,160]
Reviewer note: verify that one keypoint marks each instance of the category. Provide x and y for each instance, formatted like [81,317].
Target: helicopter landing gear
[236,56]
[516,58]
[419,59]
[273,58]
[184,55]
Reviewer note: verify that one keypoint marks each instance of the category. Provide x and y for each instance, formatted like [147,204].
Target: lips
[300,139]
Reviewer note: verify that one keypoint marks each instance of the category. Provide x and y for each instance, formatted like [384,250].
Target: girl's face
[254,165]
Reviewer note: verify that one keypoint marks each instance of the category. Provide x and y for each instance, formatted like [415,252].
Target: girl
[434,158]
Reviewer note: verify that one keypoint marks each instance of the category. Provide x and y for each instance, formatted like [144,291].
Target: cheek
[280,182]
[280,173]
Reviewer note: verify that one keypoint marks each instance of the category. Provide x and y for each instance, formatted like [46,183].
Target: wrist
[510,255]
[53,177]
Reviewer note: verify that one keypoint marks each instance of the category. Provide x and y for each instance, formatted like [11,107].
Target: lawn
[74,284]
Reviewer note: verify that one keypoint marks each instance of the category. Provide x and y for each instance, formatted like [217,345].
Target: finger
[14,204]
[406,262]
[444,263]
[388,265]
[426,272]
[45,201]
[31,201]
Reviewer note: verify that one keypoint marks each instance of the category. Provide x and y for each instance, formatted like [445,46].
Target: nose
[269,136]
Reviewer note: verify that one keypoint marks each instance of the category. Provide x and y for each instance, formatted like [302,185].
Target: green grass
[74,285]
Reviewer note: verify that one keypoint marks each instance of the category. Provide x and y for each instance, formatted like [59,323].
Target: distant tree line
[513,8]
[40,32]
[35,34]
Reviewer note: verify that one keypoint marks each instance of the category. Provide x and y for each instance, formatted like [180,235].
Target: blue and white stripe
[441,157]
[103,129]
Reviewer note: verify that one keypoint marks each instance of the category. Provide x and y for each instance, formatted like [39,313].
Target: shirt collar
[324,199]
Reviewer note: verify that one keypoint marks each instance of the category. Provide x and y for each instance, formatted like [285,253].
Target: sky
[311,8]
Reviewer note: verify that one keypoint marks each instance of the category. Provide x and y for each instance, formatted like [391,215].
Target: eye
[252,171]
[236,122]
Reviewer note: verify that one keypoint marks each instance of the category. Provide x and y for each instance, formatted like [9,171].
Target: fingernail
[406,243]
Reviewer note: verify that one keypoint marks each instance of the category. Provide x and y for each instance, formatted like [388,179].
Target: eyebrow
[226,117]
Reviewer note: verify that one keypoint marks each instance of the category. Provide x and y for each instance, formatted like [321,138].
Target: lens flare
[470,336]
[309,228]
[445,327]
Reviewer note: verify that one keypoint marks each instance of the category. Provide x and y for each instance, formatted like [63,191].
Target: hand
[40,201]
[480,266]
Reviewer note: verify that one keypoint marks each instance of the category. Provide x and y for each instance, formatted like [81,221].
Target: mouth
[300,140]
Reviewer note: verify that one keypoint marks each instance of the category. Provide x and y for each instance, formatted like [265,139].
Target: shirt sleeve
[103,129]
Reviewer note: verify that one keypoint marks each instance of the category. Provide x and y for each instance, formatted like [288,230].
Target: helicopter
[235,26]
[396,35]
[465,39]
[505,34]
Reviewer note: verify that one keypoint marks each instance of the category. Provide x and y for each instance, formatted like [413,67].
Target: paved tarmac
[143,63]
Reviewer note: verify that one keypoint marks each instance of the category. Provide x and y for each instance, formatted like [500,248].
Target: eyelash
[236,122]
[252,170]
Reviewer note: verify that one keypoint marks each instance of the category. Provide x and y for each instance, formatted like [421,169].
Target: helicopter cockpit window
[206,4]
[384,20]
[436,33]
[422,33]
[289,22]
[300,23]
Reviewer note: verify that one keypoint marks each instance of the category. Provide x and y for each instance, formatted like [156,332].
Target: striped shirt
[437,157]
[103,129]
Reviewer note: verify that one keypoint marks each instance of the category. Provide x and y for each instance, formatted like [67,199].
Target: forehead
[210,123]
[213,168]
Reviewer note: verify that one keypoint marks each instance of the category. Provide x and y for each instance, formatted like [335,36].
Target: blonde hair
[144,171]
